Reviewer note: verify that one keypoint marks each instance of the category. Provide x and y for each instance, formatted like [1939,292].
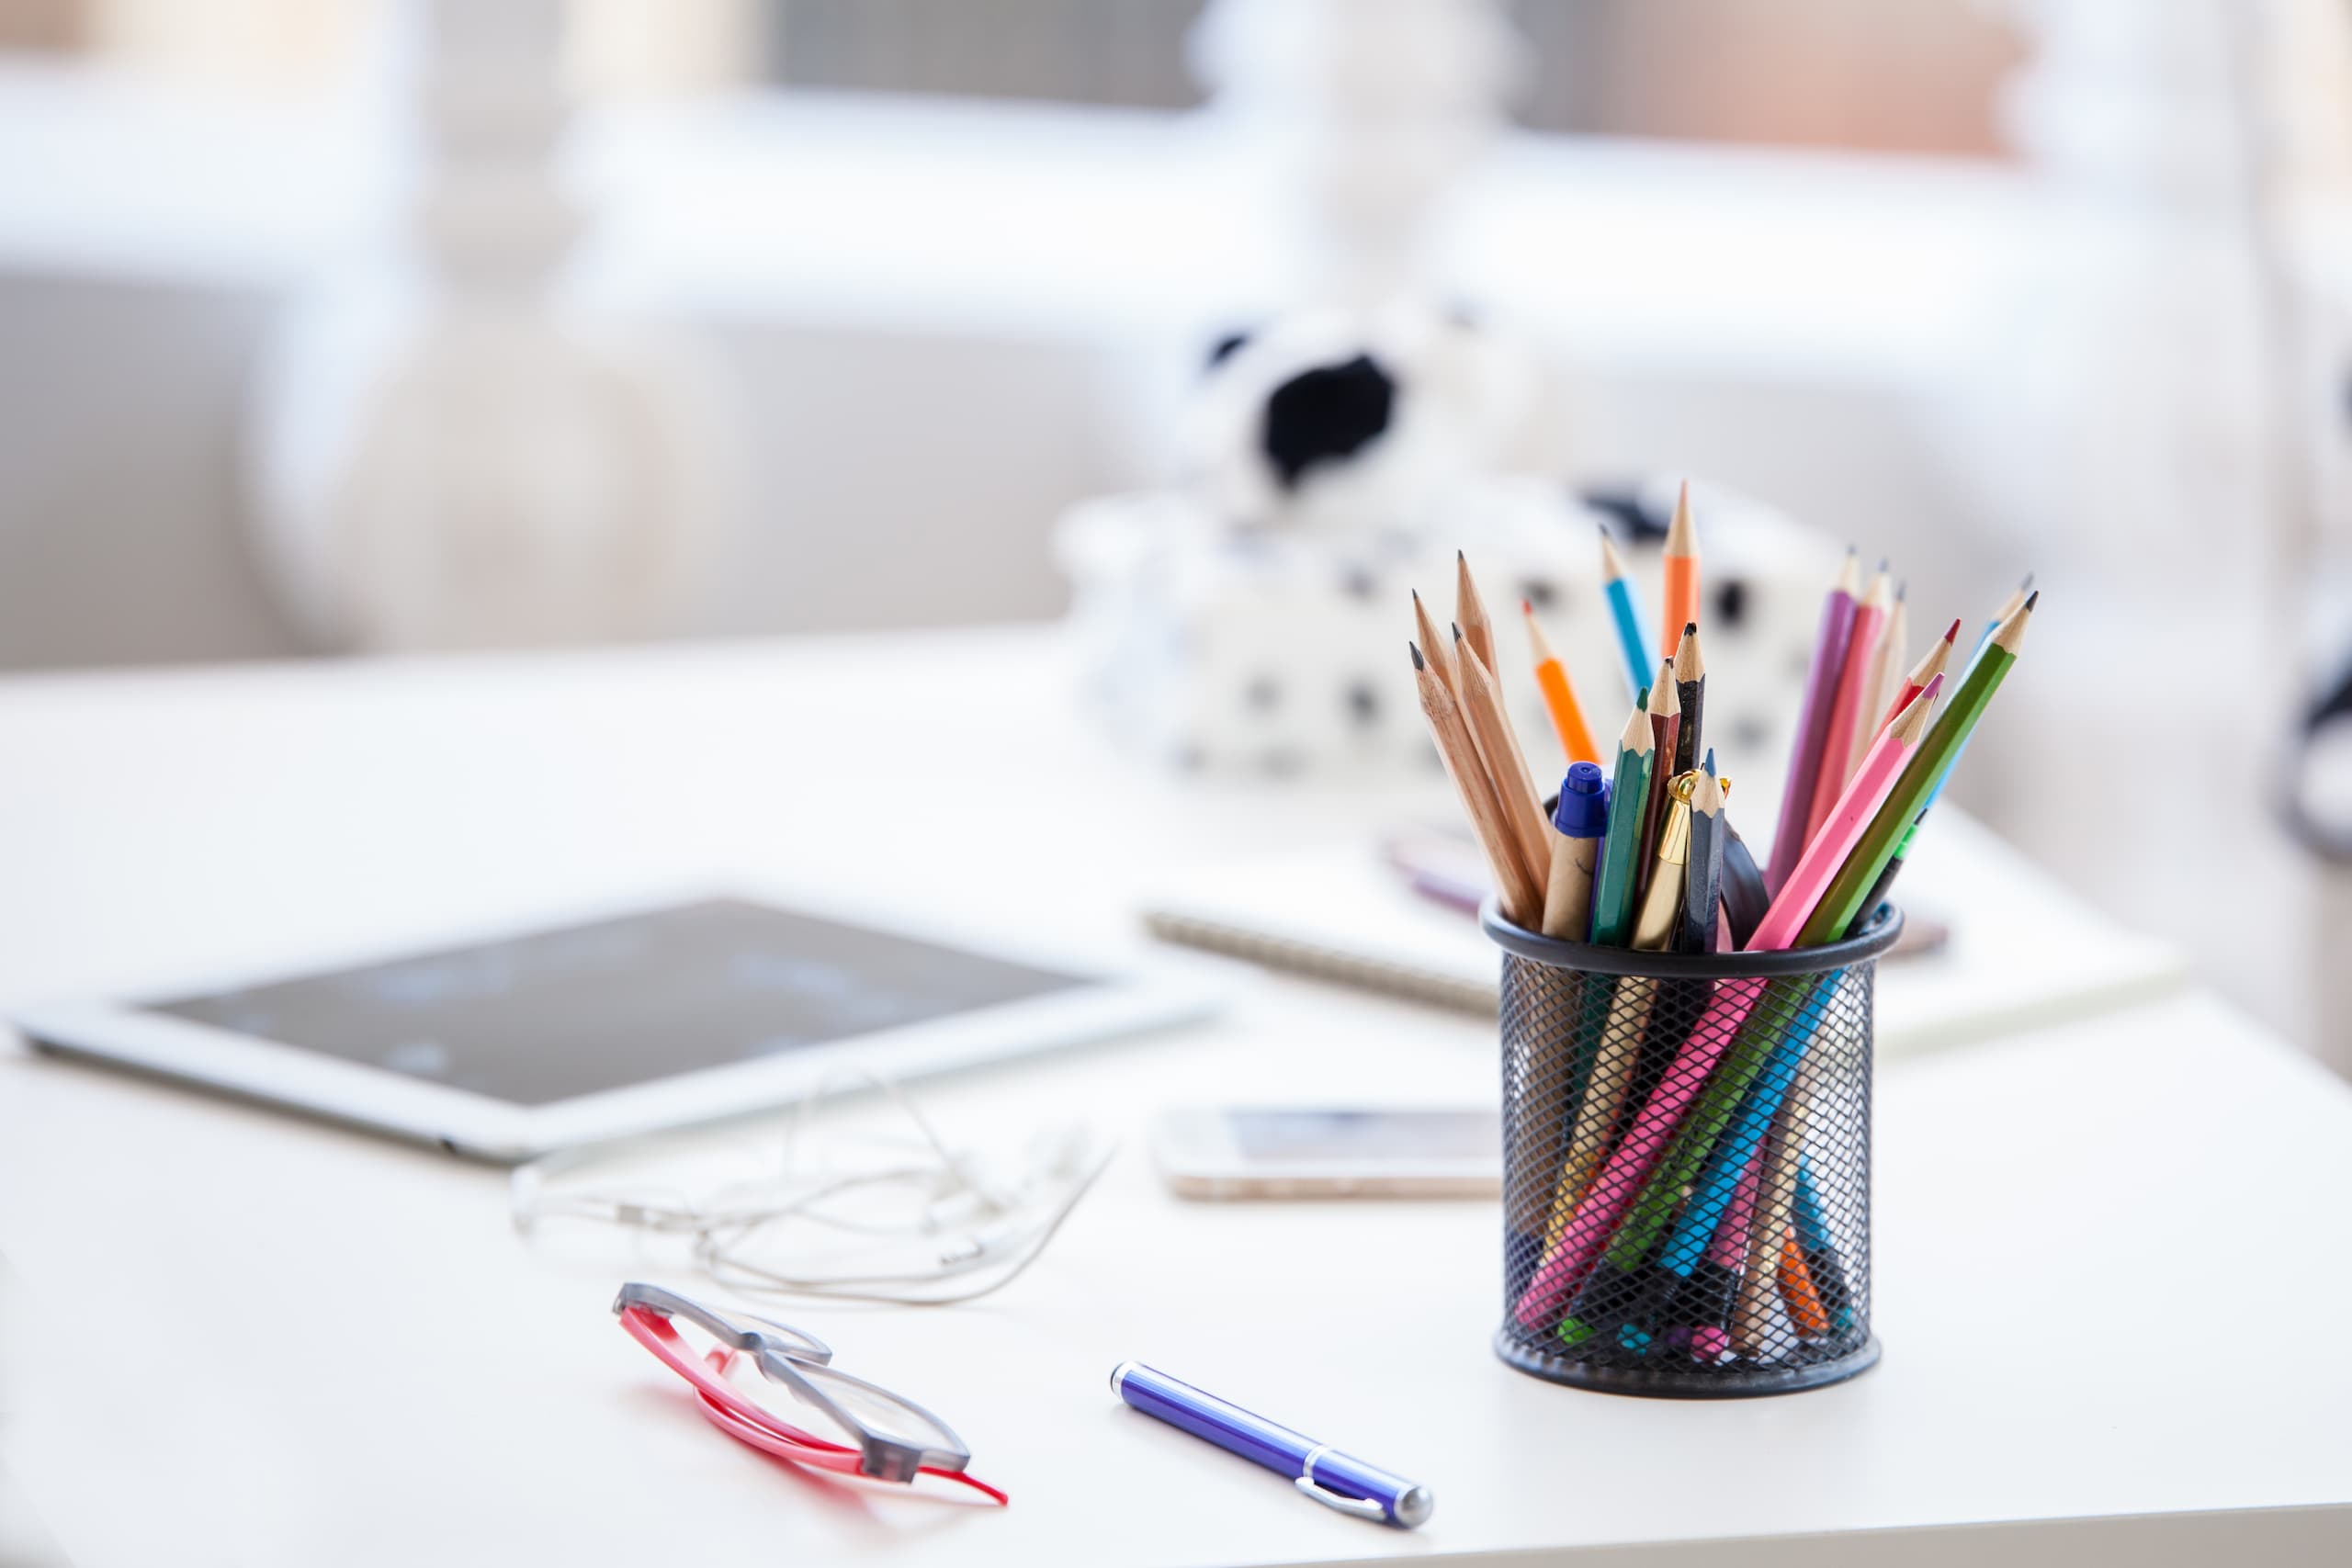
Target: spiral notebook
[2023,952]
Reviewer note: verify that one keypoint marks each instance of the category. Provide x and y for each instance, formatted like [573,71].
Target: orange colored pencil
[1552,680]
[1681,564]
[1797,1293]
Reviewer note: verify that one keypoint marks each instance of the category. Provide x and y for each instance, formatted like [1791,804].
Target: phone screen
[1351,1137]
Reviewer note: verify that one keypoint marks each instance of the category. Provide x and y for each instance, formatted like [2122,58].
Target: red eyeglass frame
[749,1423]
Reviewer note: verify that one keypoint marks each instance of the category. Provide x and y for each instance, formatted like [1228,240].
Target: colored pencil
[1613,894]
[1711,1333]
[1705,872]
[1680,561]
[1846,822]
[1820,1248]
[1887,669]
[1619,592]
[1846,710]
[1559,694]
[1837,629]
[1752,1326]
[1843,901]
[1436,648]
[1666,725]
[2008,607]
[1931,664]
[1470,613]
[1498,749]
[1521,898]
[1797,1291]
[1691,692]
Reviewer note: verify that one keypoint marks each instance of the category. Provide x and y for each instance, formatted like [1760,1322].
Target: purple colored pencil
[1813,720]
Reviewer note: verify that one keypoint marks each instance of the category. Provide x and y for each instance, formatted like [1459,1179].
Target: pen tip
[1416,652]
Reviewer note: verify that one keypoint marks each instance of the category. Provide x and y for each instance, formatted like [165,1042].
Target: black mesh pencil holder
[1686,1164]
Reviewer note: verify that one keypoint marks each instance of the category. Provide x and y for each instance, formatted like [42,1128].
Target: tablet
[507,1048]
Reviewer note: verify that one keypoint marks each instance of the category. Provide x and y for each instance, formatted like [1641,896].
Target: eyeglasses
[865,1430]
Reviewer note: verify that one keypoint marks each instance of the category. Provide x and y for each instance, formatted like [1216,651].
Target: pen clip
[1362,1507]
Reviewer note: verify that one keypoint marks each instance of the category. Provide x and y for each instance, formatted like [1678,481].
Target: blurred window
[1920,76]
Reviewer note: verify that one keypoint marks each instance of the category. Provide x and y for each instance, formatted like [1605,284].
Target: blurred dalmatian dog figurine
[1252,618]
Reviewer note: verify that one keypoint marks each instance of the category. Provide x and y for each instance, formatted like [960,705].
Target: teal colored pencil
[1613,890]
[1620,589]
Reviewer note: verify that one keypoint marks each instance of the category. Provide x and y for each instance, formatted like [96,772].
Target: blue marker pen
[1318,1470]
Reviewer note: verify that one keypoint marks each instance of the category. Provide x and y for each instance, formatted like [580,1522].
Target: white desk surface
[233,1335]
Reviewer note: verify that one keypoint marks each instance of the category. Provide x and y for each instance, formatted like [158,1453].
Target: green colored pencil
[1849,889]
[1613,892]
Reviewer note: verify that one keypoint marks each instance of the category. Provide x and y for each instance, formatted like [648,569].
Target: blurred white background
[820,312]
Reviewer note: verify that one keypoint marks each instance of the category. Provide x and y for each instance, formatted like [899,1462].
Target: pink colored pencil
[1846,711]
[1813,719]
[1792,906]
[1711,1341]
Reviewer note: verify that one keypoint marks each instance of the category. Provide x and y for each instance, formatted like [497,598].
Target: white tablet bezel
[1113,1001]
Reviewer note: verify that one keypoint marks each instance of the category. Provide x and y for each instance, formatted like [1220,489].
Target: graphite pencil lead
[1415,651]
[1690,663]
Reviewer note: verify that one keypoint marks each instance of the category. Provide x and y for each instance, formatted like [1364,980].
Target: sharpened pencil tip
[1417,595]
[1457,630]
[2032,599]
[1690,626]
[1525,608]
[1952,634]
[1459,559]
[1882,563]
[1416,652]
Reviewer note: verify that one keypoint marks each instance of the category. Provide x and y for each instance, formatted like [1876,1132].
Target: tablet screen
[580,1009]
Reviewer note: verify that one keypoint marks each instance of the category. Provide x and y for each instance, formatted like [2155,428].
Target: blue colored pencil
[1638,664]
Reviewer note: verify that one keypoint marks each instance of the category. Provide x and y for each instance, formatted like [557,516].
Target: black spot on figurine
[1226,348]
[1324,415]
[1731,604]
[1622,504]
[1264,692]
[1364,704]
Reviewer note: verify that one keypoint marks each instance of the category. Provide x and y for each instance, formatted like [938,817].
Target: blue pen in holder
[1686,1170]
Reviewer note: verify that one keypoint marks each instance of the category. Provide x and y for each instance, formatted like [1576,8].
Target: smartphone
[1330,1152]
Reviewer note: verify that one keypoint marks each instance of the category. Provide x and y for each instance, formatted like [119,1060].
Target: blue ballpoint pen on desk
[1318,1470]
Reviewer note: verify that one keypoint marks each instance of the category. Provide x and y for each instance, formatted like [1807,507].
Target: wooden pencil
[1931,664]
[1704,874]
[1437,647]
[1829,640]
[1665,726]
[1618,589]
[1691,692]
[1516,889]
[1559,694]
[1846,710]
[1498,749]
[1887,674]
[1613,894]
[1681,563]
[1470,613]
